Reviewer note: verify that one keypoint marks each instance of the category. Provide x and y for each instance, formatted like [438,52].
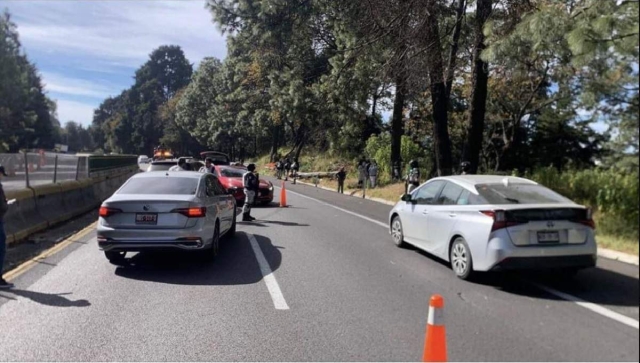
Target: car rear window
[232,172]
[519,194]
[161,166]
[160,185]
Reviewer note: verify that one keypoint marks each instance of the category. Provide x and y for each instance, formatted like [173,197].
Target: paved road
[350,293]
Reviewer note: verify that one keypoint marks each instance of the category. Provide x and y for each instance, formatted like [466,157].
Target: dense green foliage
[27,116]
[613,193]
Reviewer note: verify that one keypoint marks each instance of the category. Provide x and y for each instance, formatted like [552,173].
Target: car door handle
[425,212]
[452,215]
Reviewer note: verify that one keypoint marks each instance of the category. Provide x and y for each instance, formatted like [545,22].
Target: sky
[89,50]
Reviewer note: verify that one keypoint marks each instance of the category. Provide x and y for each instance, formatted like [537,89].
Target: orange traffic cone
[283,196]
[435,341]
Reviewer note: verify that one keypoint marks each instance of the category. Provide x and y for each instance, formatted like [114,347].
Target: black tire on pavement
[461,259]
[212,252]
[232,231]
[397,233]
[116,257]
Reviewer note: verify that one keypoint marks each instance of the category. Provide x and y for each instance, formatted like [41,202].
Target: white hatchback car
[494,223]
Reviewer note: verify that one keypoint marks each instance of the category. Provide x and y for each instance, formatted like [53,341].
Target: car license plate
[548,237]
[146,218]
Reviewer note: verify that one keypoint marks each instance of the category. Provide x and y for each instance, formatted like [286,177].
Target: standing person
[287,168]
[295,166]
[278,168]
[361,172]
[182,166]
[413,177]
[342,176]
[4,207]
[373,173]
[208,166]
[250,182]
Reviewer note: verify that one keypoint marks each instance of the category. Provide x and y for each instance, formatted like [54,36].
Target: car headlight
[270,187]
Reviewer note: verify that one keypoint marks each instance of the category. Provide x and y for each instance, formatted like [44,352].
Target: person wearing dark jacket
[4,207]
[341,176]
[251,186]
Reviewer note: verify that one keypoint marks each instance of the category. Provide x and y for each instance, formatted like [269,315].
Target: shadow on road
[57,300]
[596,285]
[263,223]
[235,264]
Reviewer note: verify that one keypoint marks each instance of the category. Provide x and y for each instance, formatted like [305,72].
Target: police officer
[413,177]
[287,169]
[251,185]
[295,167]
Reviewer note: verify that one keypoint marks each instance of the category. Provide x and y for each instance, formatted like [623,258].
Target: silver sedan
[495,223]
[159,210]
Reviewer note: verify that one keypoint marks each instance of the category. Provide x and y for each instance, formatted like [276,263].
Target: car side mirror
[407,198]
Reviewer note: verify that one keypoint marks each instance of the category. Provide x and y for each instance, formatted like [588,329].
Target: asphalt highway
[319,280]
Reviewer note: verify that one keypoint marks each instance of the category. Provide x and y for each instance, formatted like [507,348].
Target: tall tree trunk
[397,124]
[439,100]
[455,42]
[275,140]
[479,90]
[374,104]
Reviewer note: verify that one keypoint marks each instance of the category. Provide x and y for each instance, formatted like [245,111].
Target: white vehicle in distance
[495,223]
[143,159]
[166,210]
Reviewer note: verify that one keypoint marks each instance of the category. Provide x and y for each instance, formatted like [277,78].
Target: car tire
[116,257]
[397,233]
[214,249]
[461,260]
[232,230]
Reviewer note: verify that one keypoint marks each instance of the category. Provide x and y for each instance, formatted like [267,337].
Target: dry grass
[616,243]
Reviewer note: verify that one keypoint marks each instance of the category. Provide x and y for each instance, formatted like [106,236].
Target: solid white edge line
[591,306]
[587,305]
[267,275]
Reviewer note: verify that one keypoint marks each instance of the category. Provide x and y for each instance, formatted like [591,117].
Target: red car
[231,179]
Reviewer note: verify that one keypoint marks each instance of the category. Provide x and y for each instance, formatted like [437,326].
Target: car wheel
[397,233]
[116,257]
[232,230]
[460,257]
[215,243]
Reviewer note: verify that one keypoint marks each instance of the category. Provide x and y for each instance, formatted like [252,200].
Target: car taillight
[500,219]
[105,212]
[588,221]
[196,212]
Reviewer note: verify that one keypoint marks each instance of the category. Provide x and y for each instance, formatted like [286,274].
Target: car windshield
[519,193]
[161,166]
[160,185]
[232,172]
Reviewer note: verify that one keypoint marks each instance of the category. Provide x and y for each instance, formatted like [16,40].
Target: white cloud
[59,83]
[75,111]
[121,33]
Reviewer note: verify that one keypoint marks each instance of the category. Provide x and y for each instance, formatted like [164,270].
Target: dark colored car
[217,158]
[231,179]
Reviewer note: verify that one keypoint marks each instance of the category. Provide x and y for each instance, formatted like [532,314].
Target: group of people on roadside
[367,173]
[286,168]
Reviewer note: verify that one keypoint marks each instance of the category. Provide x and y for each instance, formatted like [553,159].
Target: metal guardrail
[31,169]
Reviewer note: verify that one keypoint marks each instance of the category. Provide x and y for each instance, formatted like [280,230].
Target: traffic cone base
[435,341]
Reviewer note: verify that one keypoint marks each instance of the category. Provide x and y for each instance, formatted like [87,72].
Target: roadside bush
[613,193]
[378,148]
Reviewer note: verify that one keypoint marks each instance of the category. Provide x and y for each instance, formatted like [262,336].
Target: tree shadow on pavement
[57,300]
[235,264]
